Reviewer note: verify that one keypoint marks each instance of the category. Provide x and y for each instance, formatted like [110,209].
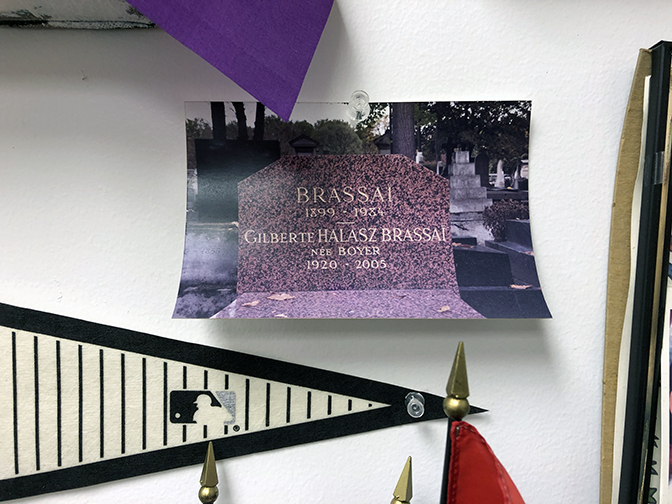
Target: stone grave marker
[329,223]
[469,198]
[482,163]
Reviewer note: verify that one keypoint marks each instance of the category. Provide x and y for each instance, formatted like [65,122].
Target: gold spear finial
[403,493]
[455,405]
[209,492]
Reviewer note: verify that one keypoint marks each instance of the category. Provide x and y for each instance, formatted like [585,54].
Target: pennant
[85,403]
[475,474]
[264,47]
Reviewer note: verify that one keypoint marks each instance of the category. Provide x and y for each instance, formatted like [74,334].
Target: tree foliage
[369,129]
[233,131]
[496,215]
[500,129]
[284,131]
[337,137]
[198,128]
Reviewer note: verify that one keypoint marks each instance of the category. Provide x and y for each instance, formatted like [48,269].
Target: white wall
[92,201]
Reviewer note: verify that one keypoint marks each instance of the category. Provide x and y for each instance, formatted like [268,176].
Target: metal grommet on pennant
[415,404]
[358,107]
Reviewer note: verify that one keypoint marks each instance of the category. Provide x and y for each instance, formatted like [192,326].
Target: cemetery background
[226,142]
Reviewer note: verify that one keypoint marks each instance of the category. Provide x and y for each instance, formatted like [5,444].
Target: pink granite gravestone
[333,223]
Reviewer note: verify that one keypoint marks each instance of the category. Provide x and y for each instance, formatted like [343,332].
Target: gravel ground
[350,304]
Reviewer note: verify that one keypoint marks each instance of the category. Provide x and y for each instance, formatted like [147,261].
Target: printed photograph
[359,210]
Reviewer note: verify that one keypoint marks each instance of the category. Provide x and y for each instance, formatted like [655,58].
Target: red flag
[476,476]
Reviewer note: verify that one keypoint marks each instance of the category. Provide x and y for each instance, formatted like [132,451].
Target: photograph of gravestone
[416,210]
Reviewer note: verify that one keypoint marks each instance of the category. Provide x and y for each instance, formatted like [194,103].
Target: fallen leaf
[281,315]
[280,297]
[444,308]
[519,287]
[252,303]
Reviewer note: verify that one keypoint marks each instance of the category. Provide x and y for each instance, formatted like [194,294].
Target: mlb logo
[202,407]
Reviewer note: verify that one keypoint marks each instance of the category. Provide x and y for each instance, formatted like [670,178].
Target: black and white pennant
[90,403]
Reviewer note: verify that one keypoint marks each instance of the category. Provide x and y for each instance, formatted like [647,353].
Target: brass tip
[208,492]
[455,405]
[403,492]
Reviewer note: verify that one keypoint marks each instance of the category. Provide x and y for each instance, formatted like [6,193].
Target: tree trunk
[218,120]
[403,129]
[242,120]
[259,123]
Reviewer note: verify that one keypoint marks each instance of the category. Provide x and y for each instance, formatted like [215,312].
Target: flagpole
[456,407]
[446,466]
